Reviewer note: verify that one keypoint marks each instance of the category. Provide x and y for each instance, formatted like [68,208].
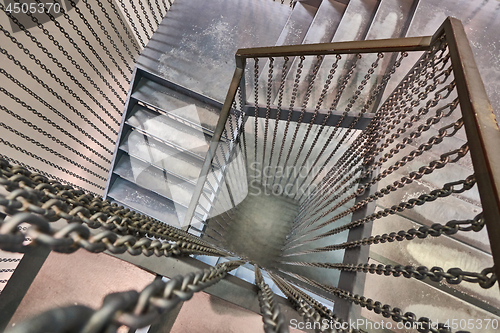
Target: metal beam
[364,46]
[308,115]
[481,127]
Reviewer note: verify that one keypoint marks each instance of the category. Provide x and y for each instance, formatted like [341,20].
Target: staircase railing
[355,153]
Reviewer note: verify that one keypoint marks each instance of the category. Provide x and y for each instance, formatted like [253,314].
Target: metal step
[185,108]
[322,30]
[144,201]
[152,151]
[154,179]
[169,130]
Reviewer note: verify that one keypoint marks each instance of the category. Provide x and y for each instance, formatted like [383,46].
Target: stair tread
[162,156]
[147,202]
[169,130]
[321,30]
[177,104]
[297,25]
[427,252]
[152,178]
[195,44]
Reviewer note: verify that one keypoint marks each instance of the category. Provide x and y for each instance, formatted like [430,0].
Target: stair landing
[197,40]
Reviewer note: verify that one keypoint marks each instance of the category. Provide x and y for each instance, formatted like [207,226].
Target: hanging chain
[130,308]
[435,230]
[447,190]
[274,320]
[55,94]
[98,39]
[396,314]
[48,135]
[125,26]
[312,310]
[108,37]
[31,192]
[155,18]
[136,12]
[290,109]
[435,274]
[115,29]
[66,54]
[317,65]
[268,110]
[256,123]
[41,159]
[284,71]
[146,15]
[84,39]
[50,107]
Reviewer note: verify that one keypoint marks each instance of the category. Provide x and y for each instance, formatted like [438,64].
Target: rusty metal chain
[130,308]
[385,310]
[290,109]
[435,230]
[486,278]
[37,194]
[447,190]
[274,320]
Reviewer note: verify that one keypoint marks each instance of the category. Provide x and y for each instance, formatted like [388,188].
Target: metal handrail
[481,127]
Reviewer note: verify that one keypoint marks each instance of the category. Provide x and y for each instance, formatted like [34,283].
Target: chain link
[125,27]
[396,314]
[55,125]
[274,321]
[37,194]
[435,274]
[65,53]
[447,190]
[130,308]
[435,230]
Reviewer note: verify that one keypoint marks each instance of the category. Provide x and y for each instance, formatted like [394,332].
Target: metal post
[20,281]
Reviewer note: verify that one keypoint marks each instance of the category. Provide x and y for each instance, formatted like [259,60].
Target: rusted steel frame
[481,128]
[363,46]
